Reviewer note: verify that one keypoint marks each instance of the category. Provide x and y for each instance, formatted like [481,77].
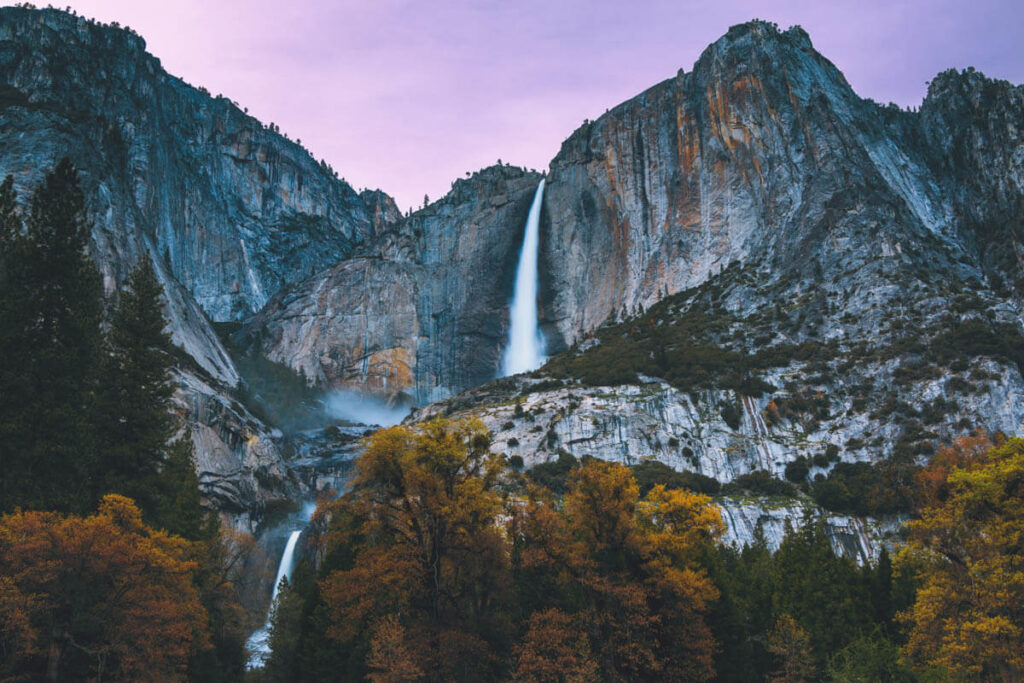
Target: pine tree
[12,322]
[137,424]
[180,510]
[50,313]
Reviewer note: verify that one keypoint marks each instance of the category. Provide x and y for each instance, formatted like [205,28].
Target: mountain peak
[741,40]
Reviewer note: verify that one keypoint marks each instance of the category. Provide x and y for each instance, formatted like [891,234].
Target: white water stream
[258,644]
[525,350]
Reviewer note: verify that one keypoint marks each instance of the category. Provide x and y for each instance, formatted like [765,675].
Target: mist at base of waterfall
[354,406]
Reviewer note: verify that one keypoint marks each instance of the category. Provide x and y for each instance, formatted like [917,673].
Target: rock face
[859,539]
[761,152]
[425,311]
[973,137]
[233,208]
[227,209]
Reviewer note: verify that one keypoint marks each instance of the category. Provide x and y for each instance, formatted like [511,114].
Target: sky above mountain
[408,95]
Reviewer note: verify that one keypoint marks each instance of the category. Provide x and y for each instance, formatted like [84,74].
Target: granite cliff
[744,266]
[424,311]
[227,209]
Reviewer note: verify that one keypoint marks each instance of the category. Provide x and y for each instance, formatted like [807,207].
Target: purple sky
[408,95]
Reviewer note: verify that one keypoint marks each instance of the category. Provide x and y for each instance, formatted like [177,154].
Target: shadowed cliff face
[972,130]
[425,311]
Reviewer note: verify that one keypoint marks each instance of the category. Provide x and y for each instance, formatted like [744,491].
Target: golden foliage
[968,617]
[391,660]
[554,650]
[430,553]
[634,569]
[104,589]
[421,526]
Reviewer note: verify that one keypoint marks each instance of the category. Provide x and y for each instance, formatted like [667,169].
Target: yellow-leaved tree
[968,617]
[624,574]
[424,568]
[102,597]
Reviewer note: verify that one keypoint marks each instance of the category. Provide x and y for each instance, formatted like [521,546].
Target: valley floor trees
[441,566]
[98,596]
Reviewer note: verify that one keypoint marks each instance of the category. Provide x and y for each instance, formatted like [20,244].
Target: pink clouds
[408,95]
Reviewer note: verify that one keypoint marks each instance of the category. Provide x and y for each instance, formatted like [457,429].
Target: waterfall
[259,642]
[525,350]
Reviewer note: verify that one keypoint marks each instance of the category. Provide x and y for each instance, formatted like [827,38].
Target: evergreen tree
[50,351]
[744,614]
[137,424]
[181,511]
[824,593]
[285,634]
[12,323]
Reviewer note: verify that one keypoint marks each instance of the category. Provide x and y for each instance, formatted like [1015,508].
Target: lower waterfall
[258,644]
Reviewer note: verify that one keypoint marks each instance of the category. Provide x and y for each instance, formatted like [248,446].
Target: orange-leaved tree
[420,552]
[101,597]
[627,573]
[968,616]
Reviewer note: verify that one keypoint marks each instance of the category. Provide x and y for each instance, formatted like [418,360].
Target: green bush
[554,475]
[759,483]
[730,414]
[797,470]
[651,473]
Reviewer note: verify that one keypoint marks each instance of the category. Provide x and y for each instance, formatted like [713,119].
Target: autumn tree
[98,597]
[391,660]
[555,650]
[968,618]
[220,558]
[791,646]
[422,544]
[629,571]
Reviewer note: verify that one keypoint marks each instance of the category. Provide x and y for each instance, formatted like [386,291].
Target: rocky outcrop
[861,539]
[971,130]
[241,469]
[723,434]
[425,311]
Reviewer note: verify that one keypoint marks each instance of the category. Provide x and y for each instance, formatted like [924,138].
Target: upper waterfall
[525,350]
